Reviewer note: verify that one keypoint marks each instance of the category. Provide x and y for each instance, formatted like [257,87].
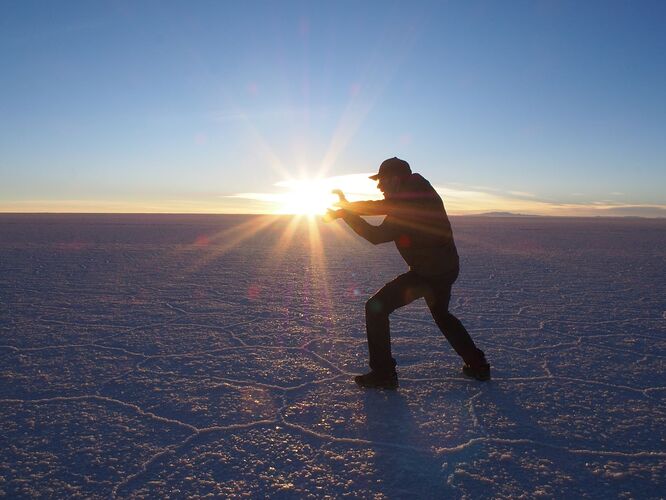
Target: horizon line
[258,214]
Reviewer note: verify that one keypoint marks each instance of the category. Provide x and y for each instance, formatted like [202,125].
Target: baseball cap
[392,167]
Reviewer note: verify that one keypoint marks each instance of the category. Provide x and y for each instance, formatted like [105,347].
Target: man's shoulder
[418,189]
[415,178]
[418,183]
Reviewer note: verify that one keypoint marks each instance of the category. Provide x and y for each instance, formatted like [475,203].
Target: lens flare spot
[404,241]
[253,292]
[202,241]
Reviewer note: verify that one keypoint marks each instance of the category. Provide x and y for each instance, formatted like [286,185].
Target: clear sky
[219,106]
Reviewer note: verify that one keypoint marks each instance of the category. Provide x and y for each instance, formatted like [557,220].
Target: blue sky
[538,107]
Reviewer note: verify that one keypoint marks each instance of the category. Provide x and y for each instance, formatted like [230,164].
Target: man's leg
[397,293]
[438,298]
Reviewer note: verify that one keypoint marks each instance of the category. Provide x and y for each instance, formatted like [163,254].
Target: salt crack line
[650,389]
[603,322]
[522,308]
[638,454]
[436,379]
[605,384]
[620,335]
[260,347]
[555,346]
[242,323]
[120,349]
[143,469]
[475,419]
[289,388]
[355,441]
[626,351]
[233,427]
[575,451]
[153,325]
[326,362]
[69,346]
[104,399]
[174,449]
[177,309]
[238,383]
[242,347]
[44,348]
[503,346]
[550,378]
[122,328]
[544,378]
[41,319]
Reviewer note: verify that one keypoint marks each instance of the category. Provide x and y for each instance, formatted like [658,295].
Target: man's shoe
[481,372]
[377,380]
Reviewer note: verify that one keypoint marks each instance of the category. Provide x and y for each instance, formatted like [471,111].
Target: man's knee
[375,307]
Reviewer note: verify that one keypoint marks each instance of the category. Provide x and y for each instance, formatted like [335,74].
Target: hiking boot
[377,380]
[481,372]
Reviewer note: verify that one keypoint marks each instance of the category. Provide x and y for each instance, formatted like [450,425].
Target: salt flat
[193,355]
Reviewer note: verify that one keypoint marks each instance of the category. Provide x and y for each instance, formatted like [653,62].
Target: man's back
[422,229]
[418,224]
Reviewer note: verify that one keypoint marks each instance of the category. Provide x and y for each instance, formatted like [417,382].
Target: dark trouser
[403,290]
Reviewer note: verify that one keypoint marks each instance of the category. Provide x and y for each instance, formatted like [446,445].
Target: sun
[309,197]
[305,203]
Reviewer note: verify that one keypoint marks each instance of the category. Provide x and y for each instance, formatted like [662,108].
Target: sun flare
[309,198]
[312,196]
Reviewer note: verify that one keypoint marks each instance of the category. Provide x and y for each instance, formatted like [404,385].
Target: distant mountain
[504,214]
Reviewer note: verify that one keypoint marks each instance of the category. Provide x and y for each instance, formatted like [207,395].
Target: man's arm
[374,234]
[371,207]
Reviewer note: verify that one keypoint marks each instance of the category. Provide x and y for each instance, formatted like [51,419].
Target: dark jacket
[416,221]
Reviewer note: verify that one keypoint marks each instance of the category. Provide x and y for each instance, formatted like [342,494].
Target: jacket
[416,221]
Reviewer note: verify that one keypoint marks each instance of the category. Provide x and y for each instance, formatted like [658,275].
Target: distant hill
[504,214]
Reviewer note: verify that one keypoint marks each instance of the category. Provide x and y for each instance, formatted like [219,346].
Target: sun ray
[319,265]
[285,240]
[260,142]
[342,232]
[273,159]
[228,239]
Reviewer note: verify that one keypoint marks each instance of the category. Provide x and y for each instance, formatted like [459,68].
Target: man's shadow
[403,463]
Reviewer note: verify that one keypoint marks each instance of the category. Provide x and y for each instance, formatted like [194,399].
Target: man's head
[391,174]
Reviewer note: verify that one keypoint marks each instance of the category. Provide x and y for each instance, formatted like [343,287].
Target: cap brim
[374,177]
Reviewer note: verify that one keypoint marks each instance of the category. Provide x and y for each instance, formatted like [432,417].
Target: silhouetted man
[417,223]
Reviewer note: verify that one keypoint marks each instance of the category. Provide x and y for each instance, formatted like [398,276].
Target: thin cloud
[467,201]
[523,194]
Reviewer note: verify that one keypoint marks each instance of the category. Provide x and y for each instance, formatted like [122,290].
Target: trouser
[403,290]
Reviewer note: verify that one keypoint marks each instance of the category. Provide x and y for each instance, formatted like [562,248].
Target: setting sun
[306,197]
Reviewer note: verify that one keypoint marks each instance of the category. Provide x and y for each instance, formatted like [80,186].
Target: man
[417,223]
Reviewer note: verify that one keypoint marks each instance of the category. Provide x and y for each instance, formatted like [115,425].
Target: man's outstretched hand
[342,199]
[331,214]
